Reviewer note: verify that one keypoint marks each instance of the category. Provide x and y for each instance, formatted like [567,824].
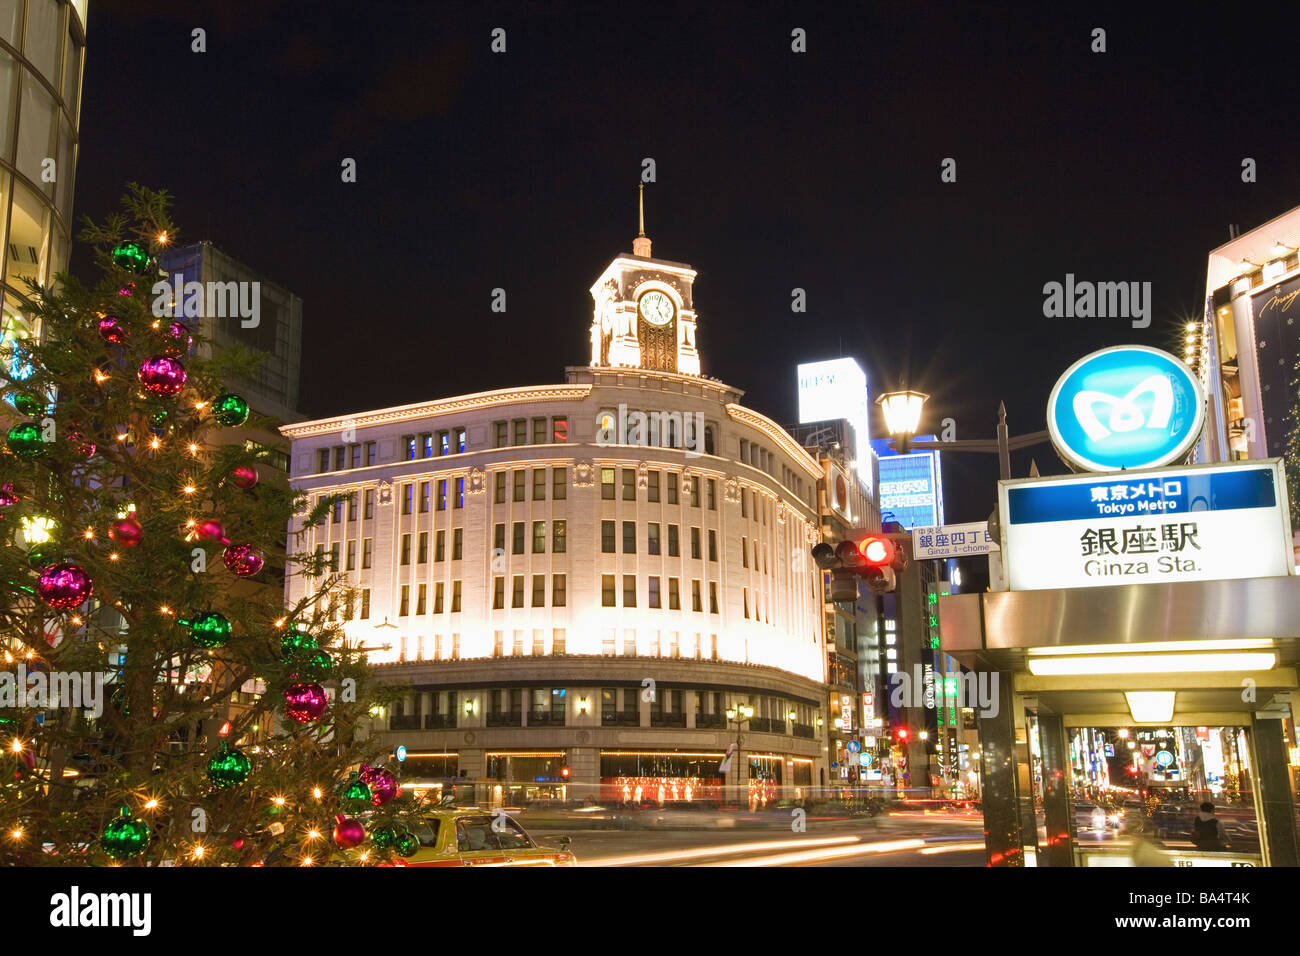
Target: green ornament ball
[230,410]
[158,419]
[208,629]
[383,837]
[407,845]
[24,440]
[131,257]
[126,836]
[316,664]
[28,405]
[356,790]
[38,559]
[229,768]
[296,640]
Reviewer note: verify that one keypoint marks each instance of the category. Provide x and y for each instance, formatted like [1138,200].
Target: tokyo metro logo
[1125,413]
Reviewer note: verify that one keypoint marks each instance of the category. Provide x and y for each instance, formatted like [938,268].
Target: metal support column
[1274,802]
[1004,837]
[1056,791]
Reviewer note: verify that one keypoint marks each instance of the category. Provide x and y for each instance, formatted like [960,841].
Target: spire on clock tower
[641,244]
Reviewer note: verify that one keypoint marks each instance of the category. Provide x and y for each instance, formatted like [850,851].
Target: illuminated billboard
[837,389]
[911,487]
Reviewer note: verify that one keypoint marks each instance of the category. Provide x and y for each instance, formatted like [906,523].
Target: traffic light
[903,733]
[564,772]
[862,554]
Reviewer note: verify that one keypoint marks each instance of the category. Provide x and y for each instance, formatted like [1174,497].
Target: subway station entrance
[1198,676]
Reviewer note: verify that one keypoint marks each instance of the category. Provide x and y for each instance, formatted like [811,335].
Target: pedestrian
[1207,834]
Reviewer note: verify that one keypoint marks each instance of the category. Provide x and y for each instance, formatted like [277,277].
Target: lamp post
[738,714]
[902,410]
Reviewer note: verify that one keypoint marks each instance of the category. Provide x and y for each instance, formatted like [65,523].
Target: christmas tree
[159,705]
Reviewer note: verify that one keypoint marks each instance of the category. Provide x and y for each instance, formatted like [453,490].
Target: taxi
[468,836]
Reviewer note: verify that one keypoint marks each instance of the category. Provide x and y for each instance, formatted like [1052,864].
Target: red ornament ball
[111,331]
[64,586]
[243,560]
[162,375]
[176,340]
[383,785]
[349,833]
[305,702]
[244,476]
[81,447]
[212,530]
[126,531]
[8,498]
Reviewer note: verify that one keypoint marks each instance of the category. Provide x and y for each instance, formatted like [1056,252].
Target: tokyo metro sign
[1124,407]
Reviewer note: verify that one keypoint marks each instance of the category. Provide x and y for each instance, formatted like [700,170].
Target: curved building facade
[575,583]
[42,55]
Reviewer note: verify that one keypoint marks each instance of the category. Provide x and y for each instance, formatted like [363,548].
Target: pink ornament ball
[162,375]
[212,530]
[126,531]
[64,586]
[349,833]
[383,785]
[243,560]
[111,331]
[305,702]
[177,340]
[244,476]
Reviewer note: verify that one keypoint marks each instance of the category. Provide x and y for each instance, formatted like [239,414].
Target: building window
[713,494]
[559,483]
[539,537]
[607,537]
[499,489]
[560,428]
[517,538]
[607,592]
[336,516]
[423,551]
[713,597]
[406,549]
[557,637]
[629,537]
[405,607]
[365,552]
[652,486]
[607,484]
[437,598]
[455,597]
[539,431]
[499,538]
[695,492]
[457,539]
[460,492]
[519,484]
[421,599]
[442,495]
[695,543]
[369,511]
[440,546]
[744,595]
[462,440]
[352,507]
[424,497]
[652,598]
[521,431]
[334,557]
[652,538]
[444,443]
[502,432]
[674,545]
[672,487]
[695,597]
[426,445]
[744,552]
[629,484]
[713,545]
[355,456]
[744,510]
[629,590]
[539,589]
[352,556]
[323,460]
[340,458]
[498,593]
[558,595]
[674,595]
[559,537]
[708,439]
[408,495]
[539,484]
[370,453]
[517,591]
[365,604]
[408,442]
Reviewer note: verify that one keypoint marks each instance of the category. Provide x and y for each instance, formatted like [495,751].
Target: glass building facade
[42,55]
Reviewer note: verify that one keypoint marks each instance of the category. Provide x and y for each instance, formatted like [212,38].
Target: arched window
[708,439]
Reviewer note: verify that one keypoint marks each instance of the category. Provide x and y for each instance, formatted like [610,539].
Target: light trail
[828,853]
[723,849]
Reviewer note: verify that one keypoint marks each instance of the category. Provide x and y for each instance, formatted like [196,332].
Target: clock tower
[643,316]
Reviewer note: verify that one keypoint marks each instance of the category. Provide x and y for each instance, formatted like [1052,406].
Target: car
[1089,816]
[467,836]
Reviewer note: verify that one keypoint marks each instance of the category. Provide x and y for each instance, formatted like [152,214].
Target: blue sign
[864,759]
[911,488]
[853,746]
[401,754]
[1110,750]
[1126,407]
[1164,758]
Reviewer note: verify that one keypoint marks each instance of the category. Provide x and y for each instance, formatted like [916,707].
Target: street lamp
[902,418]
[737,714]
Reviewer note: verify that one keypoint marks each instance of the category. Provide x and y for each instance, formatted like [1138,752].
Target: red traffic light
[877,551]
[564,772]
[903,733]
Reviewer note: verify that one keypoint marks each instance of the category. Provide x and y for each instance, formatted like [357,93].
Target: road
[895,840]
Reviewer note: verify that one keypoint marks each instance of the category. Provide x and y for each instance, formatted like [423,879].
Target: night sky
[775,170]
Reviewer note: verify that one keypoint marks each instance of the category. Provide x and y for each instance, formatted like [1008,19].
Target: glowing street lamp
[902,411]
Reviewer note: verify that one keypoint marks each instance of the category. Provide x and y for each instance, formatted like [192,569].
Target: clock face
[656,308]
